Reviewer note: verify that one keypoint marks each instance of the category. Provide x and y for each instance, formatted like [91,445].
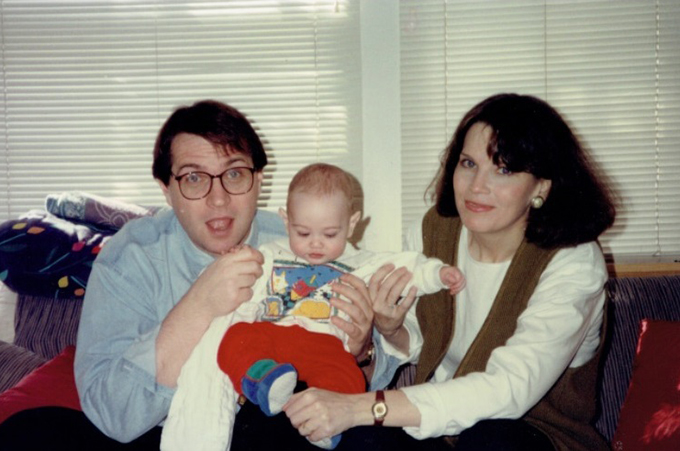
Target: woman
[511,361]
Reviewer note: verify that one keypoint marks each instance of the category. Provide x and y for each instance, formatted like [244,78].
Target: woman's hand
[319,414]
[358,308]
[389,308]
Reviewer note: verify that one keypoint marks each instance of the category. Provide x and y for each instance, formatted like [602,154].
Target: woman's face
[491,200]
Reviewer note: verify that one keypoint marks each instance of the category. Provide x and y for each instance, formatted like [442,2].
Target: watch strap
[379,408]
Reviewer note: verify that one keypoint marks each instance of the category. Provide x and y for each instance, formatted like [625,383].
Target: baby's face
[318,226]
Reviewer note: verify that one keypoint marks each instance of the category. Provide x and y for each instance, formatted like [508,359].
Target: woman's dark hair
[528,135]
[218,123]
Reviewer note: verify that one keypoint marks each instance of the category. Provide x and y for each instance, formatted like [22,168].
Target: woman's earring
[537,202]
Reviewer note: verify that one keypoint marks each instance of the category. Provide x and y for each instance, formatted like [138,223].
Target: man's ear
[284,215]
[353,220]
[259,176]
[166,192]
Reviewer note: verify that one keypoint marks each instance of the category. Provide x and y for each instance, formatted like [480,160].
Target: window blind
[611,68]
[86,86]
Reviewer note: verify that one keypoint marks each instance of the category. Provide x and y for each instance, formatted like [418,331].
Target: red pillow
[650,417]
[51,384]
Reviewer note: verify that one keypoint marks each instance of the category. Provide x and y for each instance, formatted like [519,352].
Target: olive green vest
[566,411]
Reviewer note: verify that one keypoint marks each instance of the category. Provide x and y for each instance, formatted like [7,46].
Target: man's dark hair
[216,122]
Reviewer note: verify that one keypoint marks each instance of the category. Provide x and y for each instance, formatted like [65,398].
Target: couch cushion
[51,384]
[650,417]
[632,299]
[15,363]
[46,325]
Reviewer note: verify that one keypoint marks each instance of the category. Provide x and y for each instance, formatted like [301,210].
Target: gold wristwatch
[379,408]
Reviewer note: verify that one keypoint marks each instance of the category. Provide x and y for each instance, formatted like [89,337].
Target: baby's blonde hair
[322,179]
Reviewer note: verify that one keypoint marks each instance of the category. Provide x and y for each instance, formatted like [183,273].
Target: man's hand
[228,281]
[219,290]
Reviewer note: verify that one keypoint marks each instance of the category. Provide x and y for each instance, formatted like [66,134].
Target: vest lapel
[513,296]
[435,312]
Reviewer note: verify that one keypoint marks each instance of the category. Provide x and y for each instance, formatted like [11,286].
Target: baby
[265,360]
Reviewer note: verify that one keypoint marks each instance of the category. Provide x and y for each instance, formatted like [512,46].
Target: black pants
[489,435]
[55,428]
[58,428]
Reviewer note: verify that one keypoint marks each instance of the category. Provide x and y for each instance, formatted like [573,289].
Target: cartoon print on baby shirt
[298,289]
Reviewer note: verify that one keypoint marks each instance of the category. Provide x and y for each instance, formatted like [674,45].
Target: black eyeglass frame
[178,179]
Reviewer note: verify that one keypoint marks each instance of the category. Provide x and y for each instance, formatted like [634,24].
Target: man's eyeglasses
[197,185]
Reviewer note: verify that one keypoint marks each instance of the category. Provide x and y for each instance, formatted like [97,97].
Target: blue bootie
[269,385]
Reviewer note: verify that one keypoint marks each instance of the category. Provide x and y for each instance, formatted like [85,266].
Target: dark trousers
[58,428]
[55,428]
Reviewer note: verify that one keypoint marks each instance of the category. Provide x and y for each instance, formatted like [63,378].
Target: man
[160,281]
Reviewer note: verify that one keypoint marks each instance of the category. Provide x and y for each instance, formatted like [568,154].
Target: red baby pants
[320,359]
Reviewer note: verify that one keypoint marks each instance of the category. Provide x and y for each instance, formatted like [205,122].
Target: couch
[46,256]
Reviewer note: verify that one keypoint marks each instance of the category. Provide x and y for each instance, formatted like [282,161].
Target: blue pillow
[43,255]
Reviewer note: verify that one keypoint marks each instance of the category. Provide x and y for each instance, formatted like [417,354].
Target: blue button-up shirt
[139,276]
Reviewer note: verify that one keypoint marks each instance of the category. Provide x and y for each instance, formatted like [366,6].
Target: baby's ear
[284,215]
[353,220]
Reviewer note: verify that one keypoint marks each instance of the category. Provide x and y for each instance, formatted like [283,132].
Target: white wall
[381,124]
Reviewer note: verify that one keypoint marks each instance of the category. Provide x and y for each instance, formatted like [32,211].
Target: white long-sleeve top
[560,328]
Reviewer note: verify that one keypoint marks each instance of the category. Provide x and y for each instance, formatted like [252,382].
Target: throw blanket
[203,409]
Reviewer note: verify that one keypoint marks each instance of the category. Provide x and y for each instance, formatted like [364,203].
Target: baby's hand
[452,278]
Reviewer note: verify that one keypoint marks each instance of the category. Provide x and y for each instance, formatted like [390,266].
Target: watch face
[379,409]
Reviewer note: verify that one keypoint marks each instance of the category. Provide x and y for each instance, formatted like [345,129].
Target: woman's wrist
[397,336]
[388,334]
[362,409]
[400,340]
[396,410]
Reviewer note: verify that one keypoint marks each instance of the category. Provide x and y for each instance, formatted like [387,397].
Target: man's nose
[218,196]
